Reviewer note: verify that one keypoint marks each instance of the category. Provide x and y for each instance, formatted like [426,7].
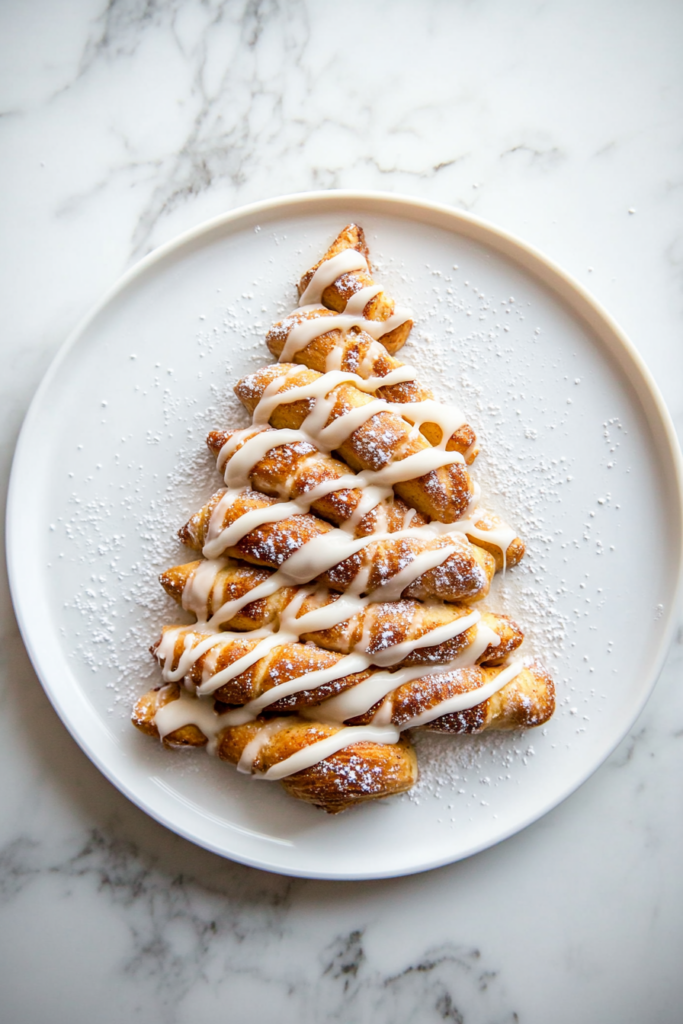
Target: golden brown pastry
[290,471]
[525,702]
[337,294]
[385,438]
[482,526]
[464,575]
[377,626]
[386,641]
[365,770]
[306,665]
[205,661]
[362,771]
[357,352]
[144,714]
[277,666]
[230,580]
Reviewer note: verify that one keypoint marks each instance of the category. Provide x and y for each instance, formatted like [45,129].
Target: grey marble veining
[123,123]
[184,932]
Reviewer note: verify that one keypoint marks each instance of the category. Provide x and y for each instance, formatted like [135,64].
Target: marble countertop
[124,123]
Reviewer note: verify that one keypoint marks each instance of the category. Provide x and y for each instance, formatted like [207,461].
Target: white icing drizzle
[266,644]
[242,462]
[463,701]
[502,535]
[439,635]
[334,358]
[347,666]
[190,655]
[198,591]
[187,710]
[307,329]
[328,272]
[320,389]
[329,549]
[291,629]
[237,459]
[448,417]
[400,315]
[254,747]
[324,438]
[231,608]
[220,538]
[360,698]
[315,752]
[359,300]
[385,712]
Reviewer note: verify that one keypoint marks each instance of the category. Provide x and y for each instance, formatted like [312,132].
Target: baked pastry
[239,667]
[274,673]
[299,472]
[205,587]
[342,281]
[444,701]
[356,768]
[526,702]
[355,351]
[367,434]
[423,564]
[349,616]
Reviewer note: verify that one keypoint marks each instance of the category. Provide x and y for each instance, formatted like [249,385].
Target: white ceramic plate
[578,451]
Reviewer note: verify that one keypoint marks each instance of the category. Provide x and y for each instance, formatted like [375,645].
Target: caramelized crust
[289,471]
[296,660]
[362,771]
[526,701]
[232,583]
[292,470]
[443,494]
[146,708]
[279,665]
[378,626]
[486,520]
[361,354]
[464,576]
[336,295]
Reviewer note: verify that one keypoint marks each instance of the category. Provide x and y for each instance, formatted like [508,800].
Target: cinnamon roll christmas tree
[342,564]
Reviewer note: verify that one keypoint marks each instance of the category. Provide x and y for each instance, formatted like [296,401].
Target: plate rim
[542,268]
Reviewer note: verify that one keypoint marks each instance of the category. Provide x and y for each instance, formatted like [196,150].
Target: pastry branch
[420,633]
[336,415]
[342,281]
[270,670]
[421,563]
[354,350]
[240,667]
[457,701]
[297,471]
[361,769]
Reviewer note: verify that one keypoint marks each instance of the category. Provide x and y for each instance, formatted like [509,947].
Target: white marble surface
[122,124]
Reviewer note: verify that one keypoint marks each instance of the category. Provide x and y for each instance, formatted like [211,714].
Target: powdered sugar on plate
[472,348]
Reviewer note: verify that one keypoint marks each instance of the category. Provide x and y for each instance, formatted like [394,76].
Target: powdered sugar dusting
[518,479]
